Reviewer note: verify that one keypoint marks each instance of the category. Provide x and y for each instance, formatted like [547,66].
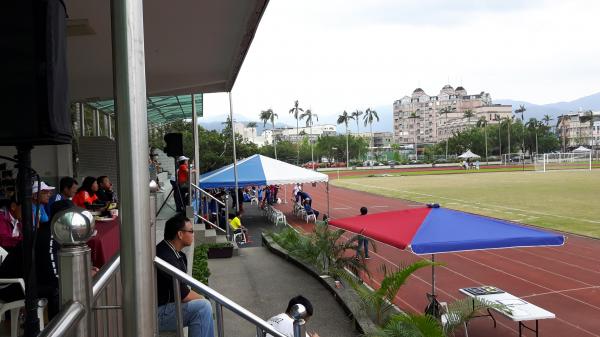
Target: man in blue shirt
[67,188]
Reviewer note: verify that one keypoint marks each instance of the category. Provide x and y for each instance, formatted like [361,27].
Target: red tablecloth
[106,243]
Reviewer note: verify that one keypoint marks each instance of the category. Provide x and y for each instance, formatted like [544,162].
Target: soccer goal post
[563,161]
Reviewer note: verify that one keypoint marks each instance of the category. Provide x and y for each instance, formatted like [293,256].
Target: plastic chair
[450,317]
[310,216]
[254,200]
[280,218]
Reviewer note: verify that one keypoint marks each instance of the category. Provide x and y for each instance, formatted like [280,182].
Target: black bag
[434,308]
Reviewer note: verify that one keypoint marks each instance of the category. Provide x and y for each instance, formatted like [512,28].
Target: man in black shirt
[196,311]
[105,190]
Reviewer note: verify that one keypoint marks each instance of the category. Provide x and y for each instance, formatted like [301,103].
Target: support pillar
[139,299]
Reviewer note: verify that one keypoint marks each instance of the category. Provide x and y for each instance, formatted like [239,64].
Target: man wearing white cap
[41,197]
[183,177]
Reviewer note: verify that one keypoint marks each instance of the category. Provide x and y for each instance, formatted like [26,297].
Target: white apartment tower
[420,118]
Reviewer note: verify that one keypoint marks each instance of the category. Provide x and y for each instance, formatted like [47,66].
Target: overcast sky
[337,55]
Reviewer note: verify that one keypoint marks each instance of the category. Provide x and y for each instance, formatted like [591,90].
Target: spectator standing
[363,241]
[284,322]
[196,311]
[183,177]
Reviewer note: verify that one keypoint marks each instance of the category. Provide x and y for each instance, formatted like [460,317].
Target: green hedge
[200,269]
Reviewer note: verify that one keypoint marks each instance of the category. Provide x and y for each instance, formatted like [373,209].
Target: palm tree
[445,111]
[468,114]
[369,117]
[251,124]
[534,124]
[482,122]
[521,110]
[508,122]
[499,120]
[378,303]
[547,119]
[414,116]
[345,118]
[266,116]
[295,111]
[309,115]
[356,115]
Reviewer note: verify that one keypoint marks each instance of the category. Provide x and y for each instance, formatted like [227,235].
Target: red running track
[564,280]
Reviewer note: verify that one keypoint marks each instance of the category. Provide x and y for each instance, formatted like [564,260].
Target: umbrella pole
[433,275]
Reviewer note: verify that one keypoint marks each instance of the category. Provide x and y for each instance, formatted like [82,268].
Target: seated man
[67,188]
[302,196]
[236,224]
[105,190]
[284,322]
[309,210]
[196,311]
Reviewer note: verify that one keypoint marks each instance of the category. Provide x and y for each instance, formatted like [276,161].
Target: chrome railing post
[153,247]
[298,314]
[219,315]
[178,317]
[75,283]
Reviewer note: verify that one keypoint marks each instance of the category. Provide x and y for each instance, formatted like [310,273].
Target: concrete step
[203,235]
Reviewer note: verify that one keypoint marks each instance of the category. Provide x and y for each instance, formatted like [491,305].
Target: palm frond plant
[463,310]
[410,325]
[419,325]
[378,303]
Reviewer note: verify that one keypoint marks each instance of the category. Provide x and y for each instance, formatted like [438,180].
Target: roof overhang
[190,46]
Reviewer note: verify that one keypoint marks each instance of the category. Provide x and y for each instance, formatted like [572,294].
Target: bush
[200,269]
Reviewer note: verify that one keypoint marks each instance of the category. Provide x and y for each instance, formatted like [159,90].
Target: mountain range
[591,102]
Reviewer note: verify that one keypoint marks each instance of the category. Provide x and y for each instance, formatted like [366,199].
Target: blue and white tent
[260,170]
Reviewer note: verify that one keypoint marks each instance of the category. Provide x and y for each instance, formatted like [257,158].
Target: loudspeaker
[35,103]
[174,143]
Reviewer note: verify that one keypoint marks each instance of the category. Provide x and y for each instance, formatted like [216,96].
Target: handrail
[104,275]
[217,297]
[210,223]
[207,194]
[67,319]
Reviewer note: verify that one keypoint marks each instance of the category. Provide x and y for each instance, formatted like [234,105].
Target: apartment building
[574,130]
[421,118]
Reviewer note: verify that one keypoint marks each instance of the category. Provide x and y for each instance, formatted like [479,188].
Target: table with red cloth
[106,243]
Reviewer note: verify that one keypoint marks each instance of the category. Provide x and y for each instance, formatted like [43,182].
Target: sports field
[564,200]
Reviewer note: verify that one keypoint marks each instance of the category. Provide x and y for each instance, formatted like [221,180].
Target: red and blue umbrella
[440,230]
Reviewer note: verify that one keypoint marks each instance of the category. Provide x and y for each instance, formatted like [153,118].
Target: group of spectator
[93,191]
[468,164]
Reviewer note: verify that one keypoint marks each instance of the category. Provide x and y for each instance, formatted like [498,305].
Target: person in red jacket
[86,194]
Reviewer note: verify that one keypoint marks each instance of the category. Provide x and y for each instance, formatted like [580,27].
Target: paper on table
[511,302]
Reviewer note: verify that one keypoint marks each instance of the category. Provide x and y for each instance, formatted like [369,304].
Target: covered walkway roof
[161,109]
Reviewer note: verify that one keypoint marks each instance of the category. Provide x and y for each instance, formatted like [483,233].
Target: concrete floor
[263,283]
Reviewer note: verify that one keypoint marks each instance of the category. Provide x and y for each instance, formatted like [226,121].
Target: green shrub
[200,269]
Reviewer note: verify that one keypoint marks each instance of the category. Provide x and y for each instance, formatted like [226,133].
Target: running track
[564,280]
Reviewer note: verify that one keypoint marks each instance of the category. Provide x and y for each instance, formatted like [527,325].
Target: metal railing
[66,321]
[107,300]
[262,327]
[204,197]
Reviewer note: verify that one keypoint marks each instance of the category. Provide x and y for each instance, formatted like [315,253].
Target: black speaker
[174,143]
[35,103]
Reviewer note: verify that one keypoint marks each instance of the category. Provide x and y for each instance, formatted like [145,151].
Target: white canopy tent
[582,149]
[468,154]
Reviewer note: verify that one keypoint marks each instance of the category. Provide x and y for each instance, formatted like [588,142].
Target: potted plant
[220,250]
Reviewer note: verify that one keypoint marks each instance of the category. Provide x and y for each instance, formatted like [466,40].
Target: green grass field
[564,200]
